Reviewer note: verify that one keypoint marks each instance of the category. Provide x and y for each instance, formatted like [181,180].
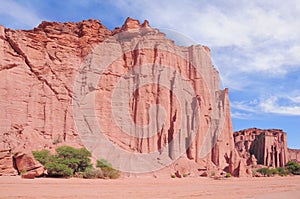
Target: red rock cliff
[38,70]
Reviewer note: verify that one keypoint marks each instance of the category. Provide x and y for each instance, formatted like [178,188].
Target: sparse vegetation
[282,171]
[107,170]
[228,175]
[212,173]
[293,167]
[69,161]
[173,176]
[24,171]
[65,162]
[57,140]
[267,171]
[91,173]
[290,168]
[263,171]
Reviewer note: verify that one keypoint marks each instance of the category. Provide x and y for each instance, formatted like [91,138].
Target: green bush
[65,162]
[107,170]
[282,171]
[110,173]
[212,173]
[228,175]
[103,163]
[42,156]
[91,173]
[55,169]
[293,167]
[264,171]
[273,171]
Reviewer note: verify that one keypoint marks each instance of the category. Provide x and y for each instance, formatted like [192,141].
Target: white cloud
[240,115]
[272,105]
[295,99]
[264,36]
[19,13]
[245,106]
[279,105]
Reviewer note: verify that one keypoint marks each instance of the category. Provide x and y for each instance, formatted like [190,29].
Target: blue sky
[254,44]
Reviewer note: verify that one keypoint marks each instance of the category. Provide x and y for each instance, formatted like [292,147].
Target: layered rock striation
[39,68]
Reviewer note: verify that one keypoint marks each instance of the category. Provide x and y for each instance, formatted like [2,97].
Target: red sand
[268,187]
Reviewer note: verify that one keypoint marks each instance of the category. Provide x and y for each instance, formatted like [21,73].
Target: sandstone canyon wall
[38,70]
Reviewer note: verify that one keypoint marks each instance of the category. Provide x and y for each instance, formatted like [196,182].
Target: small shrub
[268,171]
[23,171]
[293,167]
[213,173]
[110,173]
[91,173]
[57,140]
[103,163]
[173,176]
[263,171]
[282,171]
[228,175]
[107,170]
[272,172]
[185,175]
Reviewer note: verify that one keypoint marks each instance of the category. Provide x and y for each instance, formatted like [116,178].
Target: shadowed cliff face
[148,96]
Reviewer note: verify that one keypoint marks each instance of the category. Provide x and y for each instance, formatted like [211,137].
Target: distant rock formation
[268,146]
[294,155]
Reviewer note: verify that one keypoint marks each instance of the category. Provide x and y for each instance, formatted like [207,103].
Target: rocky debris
[28,175]
[178,174]
[6,164]
[269,147]
[204,174]
[37,72]
[27,166]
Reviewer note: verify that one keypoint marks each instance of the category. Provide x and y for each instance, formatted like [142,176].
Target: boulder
[27,165]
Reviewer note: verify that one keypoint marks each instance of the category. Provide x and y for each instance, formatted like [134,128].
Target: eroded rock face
[268,146]
[6,164]
[38,69]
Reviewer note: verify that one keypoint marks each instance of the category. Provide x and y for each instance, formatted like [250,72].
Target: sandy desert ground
[268,187]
